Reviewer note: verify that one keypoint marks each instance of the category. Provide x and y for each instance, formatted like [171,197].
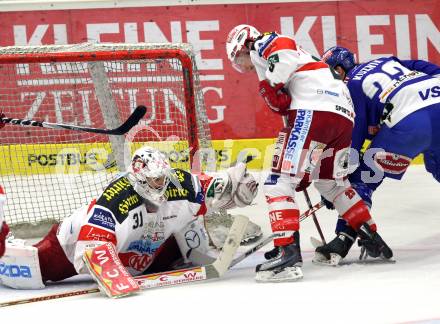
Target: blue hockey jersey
[387,90]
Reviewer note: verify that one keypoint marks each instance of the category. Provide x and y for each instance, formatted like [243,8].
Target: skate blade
[251,239]
[370,260]
[287,275]
[320,259]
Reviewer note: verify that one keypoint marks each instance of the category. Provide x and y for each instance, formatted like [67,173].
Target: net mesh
[49,173]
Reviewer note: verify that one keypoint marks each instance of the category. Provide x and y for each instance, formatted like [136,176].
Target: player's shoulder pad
[120,197]
[184,186]
[272,42]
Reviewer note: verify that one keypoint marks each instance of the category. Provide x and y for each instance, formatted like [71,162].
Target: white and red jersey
[121,216]
[310,82]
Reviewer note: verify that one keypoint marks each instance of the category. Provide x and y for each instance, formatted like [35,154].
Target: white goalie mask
[150,174]
[235,44]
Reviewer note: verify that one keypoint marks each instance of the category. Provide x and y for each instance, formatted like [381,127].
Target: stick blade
[132,121]
[231,244]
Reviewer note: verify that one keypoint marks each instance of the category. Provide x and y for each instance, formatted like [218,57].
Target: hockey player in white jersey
[314,146]
[137,212]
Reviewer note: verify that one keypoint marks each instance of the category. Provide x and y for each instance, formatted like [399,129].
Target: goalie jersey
[121,216]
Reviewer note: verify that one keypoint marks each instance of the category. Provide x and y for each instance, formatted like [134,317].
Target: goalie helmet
[237,38]
[150,174]
[339,56]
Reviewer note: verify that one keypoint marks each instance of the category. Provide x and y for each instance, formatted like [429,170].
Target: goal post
[49,173]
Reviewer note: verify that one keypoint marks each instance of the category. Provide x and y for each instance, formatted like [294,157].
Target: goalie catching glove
[234,188]
[276,97]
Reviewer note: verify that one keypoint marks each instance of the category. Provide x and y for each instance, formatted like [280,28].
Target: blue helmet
[339,56]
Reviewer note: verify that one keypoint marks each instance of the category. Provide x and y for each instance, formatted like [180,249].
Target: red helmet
[236,40]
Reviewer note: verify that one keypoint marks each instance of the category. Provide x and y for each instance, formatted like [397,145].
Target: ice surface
[408,218]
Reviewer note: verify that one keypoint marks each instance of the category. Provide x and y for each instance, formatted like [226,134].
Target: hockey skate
[333,252]
[372,244]
[284,264]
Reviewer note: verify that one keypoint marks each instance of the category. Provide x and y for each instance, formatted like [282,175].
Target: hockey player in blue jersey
[397,106]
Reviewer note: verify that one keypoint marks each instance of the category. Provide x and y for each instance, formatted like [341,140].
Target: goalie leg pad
[20,267]
[193,242]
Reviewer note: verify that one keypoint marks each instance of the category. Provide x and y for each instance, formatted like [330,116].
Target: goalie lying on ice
[140,212]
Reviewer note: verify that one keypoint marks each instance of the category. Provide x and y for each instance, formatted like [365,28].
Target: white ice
[408,216]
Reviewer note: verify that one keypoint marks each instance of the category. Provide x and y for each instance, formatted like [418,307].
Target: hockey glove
[276,98]
[235,188]
[302,185]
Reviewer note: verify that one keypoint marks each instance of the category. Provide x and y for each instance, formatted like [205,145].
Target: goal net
[49,173]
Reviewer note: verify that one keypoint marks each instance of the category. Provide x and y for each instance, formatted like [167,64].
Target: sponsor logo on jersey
[327,92]
[192,239]
[15,270]
[296,141]
[169,217]
[125,204]
[433,92]
[91,233]
[345,111]
[139,262]
[103,218]
[116,188]
[401,80]
[176,193]
[147,246]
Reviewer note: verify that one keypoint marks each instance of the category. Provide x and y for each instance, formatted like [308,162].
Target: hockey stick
[170,278]
[132,120]
[315,219]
